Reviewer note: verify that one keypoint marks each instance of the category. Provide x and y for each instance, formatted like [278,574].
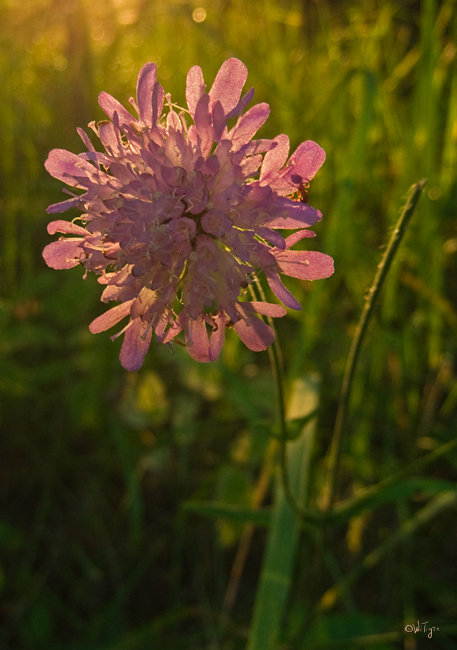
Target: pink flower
[177,218]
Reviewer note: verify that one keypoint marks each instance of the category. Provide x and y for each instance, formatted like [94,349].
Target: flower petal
[219,125]
[229,83]
[197,339]
[63,254]
[307,160]
[85,138]
[144,89]
[173,330]
[291,214]
[57,208]
[110,138]
[204,124]
[195,87]
[254,333]
[217,336]
[306,265]
[110,106]
[67,167]
[265,308]
[67,227]
[248,125]
[271,236]
[158,97]
[244,101]
[280,291]
[110,317]
[298,236]
[134,347]
[275,158]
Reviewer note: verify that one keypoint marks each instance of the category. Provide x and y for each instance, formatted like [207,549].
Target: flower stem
[367,313]
[278,375]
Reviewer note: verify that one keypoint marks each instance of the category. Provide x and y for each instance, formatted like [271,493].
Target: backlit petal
[63,254]
[135,346]
[144,90]
[229,83]
[110,317]
[306,265]
[197,339]
[195,88]
[254,333]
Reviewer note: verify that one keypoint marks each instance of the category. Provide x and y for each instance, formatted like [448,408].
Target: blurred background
[95,551]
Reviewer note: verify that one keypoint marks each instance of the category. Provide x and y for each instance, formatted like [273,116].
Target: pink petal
[63,254]
[254,333]
[110,317]
[95,156]
[217,336]
[173,122]
[261,145]
[144,89]
[111,292]
[239,108]
[219,124]
[291,214]
[306,265]
[248,125]
[67,167]
[110,106]
[110,138]
[57,208]
[229,83]
[307,160]
[275,158]
[84,137]
[134,347]
[66,227]
[195,87]
[271,236]
[202,119]
[161,321]
[170,334]
[281,292]
[197,339]
[265,308]
[158,96]
[298,236]
[250,165]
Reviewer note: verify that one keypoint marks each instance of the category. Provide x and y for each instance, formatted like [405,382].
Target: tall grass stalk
[367,314]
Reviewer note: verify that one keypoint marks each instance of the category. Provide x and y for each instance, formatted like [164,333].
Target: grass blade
[284,531]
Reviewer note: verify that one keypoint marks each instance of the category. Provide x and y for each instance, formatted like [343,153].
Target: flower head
[178,218]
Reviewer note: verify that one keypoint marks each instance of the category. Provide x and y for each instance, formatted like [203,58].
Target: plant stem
[275,354]
[367,313]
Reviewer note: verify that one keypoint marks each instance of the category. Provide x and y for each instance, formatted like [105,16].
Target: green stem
[344,510]
[365,318]
[441,502]
[274,352]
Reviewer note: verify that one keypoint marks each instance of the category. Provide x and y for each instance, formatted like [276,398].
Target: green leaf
[377,497]
[231,512]
[278,565]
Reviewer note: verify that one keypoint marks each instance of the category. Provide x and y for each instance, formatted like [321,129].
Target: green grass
[125,496]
